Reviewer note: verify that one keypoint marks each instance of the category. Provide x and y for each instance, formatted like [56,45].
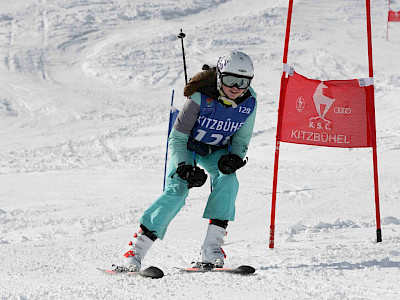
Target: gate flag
[394,16]
[325,113]
[173,114]
[334,113]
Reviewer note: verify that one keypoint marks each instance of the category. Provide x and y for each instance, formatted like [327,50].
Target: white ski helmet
[234,63]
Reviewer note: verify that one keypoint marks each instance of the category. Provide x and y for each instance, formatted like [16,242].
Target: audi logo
[342,110]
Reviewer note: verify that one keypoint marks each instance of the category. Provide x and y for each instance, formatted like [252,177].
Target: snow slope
[85,91]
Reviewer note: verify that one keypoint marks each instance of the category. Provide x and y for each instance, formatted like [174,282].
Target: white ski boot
[212,253]
[137,251]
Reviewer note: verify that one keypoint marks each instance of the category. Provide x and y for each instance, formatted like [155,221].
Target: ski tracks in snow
[85,112]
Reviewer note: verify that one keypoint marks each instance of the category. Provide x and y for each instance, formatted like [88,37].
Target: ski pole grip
[181,35]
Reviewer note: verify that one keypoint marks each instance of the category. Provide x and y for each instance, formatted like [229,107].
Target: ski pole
[182,36]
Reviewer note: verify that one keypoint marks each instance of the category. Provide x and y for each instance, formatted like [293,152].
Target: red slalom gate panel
[325,113]
[335,113]
[394,16]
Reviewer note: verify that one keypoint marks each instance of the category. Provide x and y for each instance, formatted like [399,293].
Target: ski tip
[153,272]
[246,269]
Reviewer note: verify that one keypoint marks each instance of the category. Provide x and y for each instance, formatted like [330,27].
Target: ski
[242,270]
[150,272]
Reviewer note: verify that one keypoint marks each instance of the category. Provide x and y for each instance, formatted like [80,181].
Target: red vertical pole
[279,126]
[387,23]
[370,90]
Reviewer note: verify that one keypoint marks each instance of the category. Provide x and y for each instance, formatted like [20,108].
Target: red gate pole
[279,126]
[387,23]
[370,90]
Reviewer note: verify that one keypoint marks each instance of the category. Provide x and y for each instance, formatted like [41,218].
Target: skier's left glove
[195,176]
[229,163]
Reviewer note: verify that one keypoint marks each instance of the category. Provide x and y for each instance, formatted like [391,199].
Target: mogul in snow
[213,130]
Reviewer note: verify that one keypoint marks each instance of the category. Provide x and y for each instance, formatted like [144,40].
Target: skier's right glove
[195,176]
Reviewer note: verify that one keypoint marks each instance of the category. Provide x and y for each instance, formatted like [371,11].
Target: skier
[212,130]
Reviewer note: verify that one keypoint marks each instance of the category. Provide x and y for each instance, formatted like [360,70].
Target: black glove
[195,176]
[228,164]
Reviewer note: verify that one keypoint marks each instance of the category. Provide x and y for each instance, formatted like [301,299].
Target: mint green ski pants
[220,204]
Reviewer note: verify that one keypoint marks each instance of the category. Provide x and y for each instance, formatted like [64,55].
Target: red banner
[325,113]
[394,16]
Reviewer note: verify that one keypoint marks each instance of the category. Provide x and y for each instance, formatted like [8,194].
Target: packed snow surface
[85,94]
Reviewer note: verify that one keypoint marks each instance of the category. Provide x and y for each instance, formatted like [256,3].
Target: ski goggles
[231,80]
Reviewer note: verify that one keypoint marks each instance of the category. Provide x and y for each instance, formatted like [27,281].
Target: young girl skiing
[213,130]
